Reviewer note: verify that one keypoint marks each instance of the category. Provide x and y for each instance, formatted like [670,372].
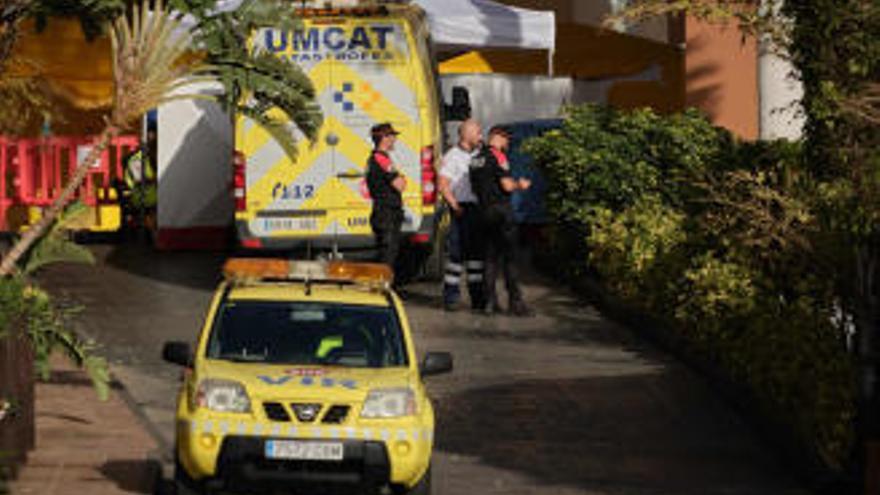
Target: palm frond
[72,216]
[256,83]
[280,130]
[151,56]
[271,83]
[56,246]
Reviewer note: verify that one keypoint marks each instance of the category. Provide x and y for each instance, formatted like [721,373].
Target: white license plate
[304,451]
[276,224]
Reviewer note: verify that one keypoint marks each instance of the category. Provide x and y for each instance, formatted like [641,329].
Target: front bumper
[241,465]
[223,450]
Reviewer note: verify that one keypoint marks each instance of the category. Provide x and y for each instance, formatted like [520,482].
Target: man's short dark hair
[379,131]
[500,130]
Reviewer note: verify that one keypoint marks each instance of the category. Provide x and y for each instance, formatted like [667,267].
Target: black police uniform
[387,216]
[499,229]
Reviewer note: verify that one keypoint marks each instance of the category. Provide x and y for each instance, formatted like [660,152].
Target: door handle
[350,175]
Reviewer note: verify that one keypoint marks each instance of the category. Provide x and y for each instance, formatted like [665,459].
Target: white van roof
[471,23]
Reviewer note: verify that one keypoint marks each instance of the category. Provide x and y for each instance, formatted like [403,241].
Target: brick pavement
[85,446]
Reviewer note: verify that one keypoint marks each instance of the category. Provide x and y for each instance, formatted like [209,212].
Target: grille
[306,413]
[275,411]
[335,415]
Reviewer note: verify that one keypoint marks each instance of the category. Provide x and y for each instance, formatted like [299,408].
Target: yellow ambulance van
[368,65]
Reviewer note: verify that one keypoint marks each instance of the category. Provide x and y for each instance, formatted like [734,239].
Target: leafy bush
[627,247]
[720,238]
[713,291]
[604,158]
[792,356]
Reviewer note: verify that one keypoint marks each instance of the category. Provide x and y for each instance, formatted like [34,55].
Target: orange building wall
[721,76]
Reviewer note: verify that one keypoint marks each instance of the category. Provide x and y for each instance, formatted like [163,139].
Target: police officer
[493,185]
[464,242]
[386,185]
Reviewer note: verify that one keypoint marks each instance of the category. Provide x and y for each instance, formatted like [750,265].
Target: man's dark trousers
[501,238]
[465,256]
[386,224]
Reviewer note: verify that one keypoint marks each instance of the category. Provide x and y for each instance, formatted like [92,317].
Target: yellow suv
[304,377]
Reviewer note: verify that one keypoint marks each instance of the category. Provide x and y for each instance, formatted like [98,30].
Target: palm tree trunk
[48,218]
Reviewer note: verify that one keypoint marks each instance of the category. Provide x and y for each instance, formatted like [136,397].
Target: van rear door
[373,83]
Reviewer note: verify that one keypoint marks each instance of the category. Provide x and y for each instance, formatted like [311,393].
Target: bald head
[469,134]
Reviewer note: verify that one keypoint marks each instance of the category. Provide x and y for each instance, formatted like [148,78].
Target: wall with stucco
[721,76]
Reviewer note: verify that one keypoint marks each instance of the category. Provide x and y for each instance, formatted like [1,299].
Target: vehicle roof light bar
[276,269]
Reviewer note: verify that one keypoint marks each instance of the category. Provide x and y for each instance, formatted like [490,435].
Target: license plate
[304,451]
[276,224]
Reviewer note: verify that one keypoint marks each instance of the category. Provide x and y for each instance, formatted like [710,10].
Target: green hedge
[718,238]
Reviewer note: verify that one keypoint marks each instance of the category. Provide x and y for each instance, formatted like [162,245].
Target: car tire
[183,483]
[423,487]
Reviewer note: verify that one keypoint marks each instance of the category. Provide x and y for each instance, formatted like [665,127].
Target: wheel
[183,483]
[423,487]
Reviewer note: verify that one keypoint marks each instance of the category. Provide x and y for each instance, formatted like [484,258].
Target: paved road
[563,403]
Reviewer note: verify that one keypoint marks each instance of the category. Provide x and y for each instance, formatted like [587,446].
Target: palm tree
[151,60]
[155,57]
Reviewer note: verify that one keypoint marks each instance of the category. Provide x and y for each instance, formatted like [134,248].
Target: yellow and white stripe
[287,430]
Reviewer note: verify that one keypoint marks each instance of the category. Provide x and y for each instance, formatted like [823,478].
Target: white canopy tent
[478,24]
[488,24]
[484,23]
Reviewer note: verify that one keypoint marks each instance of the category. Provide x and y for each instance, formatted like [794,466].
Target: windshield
[307,334]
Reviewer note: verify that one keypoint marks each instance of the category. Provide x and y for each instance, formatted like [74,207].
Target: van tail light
[429,176]
[420,238]
[239,184]
[252,243]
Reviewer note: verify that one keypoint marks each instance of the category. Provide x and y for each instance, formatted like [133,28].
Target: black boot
[519,308]
[491,309]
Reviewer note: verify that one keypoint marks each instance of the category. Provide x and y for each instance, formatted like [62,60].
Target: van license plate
[304,451]
[275,224]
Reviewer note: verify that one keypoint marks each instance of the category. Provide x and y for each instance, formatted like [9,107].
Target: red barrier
[8,176]
[33,172]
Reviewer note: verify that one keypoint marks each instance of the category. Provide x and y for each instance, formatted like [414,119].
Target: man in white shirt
[464,243]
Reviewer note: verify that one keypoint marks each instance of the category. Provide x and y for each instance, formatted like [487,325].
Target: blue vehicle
[528,206]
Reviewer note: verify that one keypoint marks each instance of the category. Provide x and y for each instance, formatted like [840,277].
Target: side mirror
[178,353]
[460,109]
[436,363]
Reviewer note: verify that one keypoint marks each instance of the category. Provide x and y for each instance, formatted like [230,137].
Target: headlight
[223,396]
[389,403]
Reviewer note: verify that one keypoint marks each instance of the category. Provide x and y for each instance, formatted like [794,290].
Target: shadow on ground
[133,475]
[560,317]
[197,270]
[75,378]
[641,434]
